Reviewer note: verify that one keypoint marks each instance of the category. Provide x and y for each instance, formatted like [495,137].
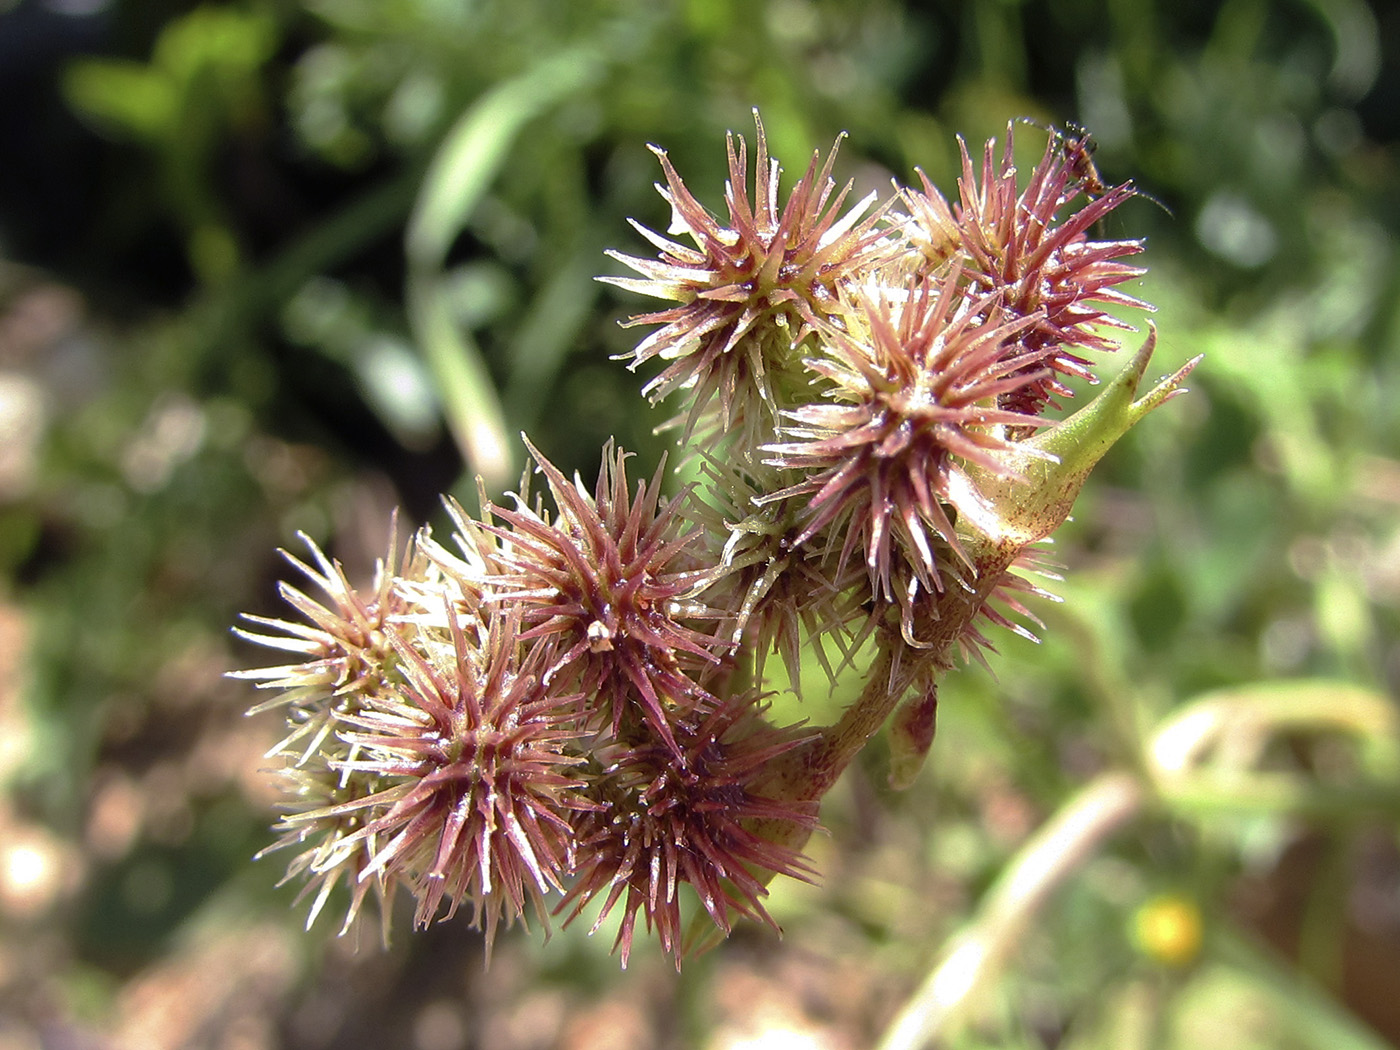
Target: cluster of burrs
[565,704]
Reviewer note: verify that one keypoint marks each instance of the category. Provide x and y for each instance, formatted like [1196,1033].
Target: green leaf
[233,44]
[468,397]
[477,145]
[1300,1007]
[463,168]
[124,98]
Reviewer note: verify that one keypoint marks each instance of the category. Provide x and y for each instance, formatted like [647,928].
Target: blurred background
[282,265]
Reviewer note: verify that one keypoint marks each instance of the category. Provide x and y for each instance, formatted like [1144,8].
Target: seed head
[1010,241]
[915,378]
[477,787]
[341,641]
[610,585]
[781,596]
[665,820]
[344,640]
[323,825]
[750,285]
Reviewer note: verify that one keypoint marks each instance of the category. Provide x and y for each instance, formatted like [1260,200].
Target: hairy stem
[808,772]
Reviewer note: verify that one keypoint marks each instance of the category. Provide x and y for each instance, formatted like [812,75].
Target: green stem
[807,773]
[979,953]
[822,762]
[1279,794]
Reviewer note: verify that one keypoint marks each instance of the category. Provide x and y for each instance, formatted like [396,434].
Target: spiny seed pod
[341,639]
[914,378]
[477,784]
[1011,242]
[610,583]
[666,820]
[750,285]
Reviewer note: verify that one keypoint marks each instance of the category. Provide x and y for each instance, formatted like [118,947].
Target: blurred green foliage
[327,243]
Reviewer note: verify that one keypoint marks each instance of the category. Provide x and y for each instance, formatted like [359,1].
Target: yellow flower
[1168,928]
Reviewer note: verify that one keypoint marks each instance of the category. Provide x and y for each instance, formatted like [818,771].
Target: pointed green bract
[1036,482]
